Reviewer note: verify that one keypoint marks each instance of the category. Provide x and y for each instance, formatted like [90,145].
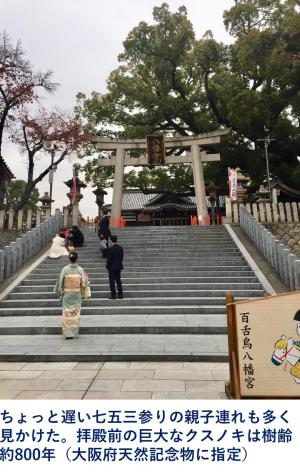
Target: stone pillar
[1,220]
[118,187]
[268,212]
[294,211]
[29,219]
[288,212]
[254,211]
[275,212]
[66,217]
[7,261]
[1,265]
[47,213]
[261,212]
[75,214]
[199,182]
[297,274]
[281,212]
[228,207]
[235,209]
[38,216]
[10,219]
[20,220]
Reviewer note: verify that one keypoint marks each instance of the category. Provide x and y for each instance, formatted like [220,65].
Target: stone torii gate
[195,154]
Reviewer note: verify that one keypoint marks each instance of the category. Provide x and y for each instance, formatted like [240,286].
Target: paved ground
[122,380]
[112,380]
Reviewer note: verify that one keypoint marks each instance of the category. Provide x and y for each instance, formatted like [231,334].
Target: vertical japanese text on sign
[156,150]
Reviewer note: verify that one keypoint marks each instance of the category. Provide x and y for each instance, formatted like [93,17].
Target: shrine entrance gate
[196,152]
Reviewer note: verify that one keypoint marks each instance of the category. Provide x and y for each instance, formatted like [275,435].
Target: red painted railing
[117,222]
[207,220]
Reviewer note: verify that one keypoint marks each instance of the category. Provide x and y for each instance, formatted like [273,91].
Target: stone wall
[13,256]
[288,233]
[278,254]
[6,237]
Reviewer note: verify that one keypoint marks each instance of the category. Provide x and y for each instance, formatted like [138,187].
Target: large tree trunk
[25,197]
[32,183]
[29,186]
[2,124]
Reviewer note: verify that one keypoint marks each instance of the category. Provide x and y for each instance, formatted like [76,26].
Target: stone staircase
[175,282]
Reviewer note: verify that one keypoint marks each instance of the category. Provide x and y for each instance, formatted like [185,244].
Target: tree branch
[46,171]
[213,105]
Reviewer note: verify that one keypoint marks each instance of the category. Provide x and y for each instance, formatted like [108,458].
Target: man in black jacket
[104,226]
[114,265]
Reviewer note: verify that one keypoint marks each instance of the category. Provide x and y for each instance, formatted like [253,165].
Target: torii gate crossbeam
[195,154]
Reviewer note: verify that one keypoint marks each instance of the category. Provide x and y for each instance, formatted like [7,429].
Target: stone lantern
[262,195]
[242,183]
[46,206]
[99,199]
[72,216]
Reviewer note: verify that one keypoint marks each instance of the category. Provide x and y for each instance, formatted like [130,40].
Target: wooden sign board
[264,347]
[156,150]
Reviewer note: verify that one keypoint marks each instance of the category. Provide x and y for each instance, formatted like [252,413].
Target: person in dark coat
[104,226]
[76,236]
[114,265]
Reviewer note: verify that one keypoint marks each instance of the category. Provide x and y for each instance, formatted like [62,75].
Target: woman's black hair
[73,256]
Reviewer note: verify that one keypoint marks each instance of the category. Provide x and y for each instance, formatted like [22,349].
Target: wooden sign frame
[233,387]
[156,150]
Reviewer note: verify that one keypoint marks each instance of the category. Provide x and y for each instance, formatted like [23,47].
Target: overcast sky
[80,41]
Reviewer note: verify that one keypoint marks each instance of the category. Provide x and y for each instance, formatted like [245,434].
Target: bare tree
[19,84]
[64,131]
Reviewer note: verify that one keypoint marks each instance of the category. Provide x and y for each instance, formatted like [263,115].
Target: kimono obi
[72,283]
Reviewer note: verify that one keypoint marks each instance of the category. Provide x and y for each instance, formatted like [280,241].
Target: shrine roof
[135,199]
[5,171]
[285,189]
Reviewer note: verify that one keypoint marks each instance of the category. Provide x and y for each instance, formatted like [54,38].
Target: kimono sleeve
[59,287]
[85,279]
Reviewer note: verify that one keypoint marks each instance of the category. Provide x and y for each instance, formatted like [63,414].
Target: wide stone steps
[141,301]
[38,278]
[130,294]
[114,347]
[114,309]
[116,324]
[172,261]
[166,254]
[149,286]
[175,283]
[166,272]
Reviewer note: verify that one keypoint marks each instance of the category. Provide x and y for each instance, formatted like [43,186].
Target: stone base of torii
[196,152]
